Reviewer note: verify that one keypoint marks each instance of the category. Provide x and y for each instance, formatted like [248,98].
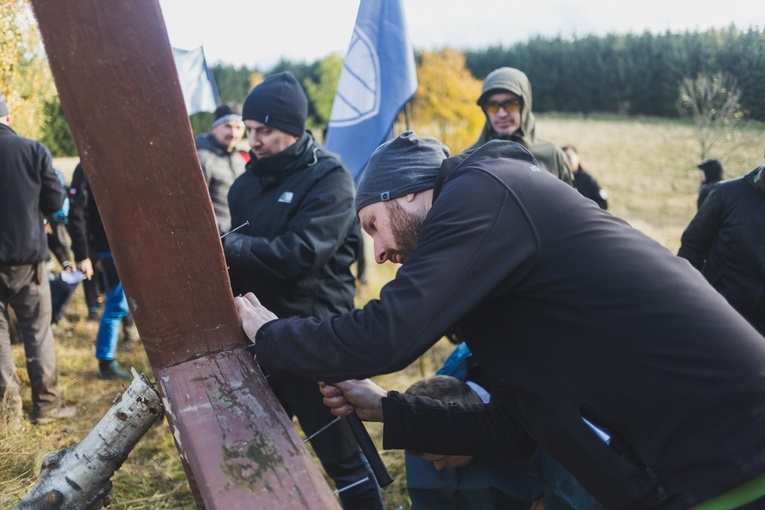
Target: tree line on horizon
[629,75]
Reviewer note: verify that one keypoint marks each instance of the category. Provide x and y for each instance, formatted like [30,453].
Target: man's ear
[410,197]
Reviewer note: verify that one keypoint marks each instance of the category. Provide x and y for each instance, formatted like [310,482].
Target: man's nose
[380,252]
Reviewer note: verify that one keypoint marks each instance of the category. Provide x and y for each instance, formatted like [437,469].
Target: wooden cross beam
[114,70]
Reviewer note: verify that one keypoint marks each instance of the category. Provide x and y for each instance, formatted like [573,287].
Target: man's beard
[405,228]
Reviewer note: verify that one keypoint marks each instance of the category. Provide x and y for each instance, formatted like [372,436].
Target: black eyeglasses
[510,106]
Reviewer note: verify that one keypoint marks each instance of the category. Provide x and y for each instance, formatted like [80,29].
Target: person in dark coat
[726,242]
[583,181]
[710,173]
[89,243]
[29,190]
[599,344]
[296,250]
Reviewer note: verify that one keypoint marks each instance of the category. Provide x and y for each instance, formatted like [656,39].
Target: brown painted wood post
[116,77]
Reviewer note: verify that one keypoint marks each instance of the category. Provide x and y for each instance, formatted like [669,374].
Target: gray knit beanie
[3,106]
[406,164]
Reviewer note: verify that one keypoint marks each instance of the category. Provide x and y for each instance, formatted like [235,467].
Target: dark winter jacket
[589,187]
[85,226]
[29,190]
[571,314]
[295,254]
[726,241]
[220,169]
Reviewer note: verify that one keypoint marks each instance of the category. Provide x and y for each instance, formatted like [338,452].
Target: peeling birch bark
[79,477]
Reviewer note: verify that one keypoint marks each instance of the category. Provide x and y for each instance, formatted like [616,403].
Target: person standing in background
[710,173]
[221,162]
[583,181]
[89,241]
[726,242]
[29,190]
[506,101]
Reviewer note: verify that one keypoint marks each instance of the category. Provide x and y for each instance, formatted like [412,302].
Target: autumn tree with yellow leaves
[25,78]
[445,103]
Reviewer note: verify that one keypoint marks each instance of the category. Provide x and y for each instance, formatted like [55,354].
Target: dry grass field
[647,166]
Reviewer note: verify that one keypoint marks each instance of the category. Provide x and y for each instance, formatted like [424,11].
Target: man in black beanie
[221,162]
[296,254]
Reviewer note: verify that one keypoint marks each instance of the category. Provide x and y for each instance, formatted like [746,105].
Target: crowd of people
[577,380]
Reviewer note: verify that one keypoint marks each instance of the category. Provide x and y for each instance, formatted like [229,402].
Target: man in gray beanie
[403,165]
[573,316]
[399,179]
[295,252]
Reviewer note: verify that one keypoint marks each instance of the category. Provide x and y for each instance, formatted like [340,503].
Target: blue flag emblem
[358,91]
[377,80]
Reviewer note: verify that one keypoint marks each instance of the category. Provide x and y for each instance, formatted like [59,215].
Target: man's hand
[86,266]
[360,396]
[252,314]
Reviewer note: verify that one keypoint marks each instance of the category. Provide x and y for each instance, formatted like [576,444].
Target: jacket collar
[302,153]
[758,179]
[211,143]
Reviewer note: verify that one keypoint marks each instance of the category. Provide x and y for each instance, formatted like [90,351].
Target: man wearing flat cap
[296,253]
[601,346]
[221,162]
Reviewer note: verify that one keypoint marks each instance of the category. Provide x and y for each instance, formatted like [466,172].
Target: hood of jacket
[508,79]
[756,179]
[713,170]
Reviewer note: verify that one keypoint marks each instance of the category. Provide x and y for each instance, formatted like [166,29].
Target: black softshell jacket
[303,234]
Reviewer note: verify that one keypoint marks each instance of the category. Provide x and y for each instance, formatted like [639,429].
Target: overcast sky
[257,33]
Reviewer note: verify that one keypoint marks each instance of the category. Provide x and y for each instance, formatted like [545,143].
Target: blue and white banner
[197,81]
[377,80]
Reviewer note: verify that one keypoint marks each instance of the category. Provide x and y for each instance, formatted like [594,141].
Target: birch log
[79,477]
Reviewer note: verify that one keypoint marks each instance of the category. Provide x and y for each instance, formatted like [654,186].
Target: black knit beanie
[406,164]
[279,102]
